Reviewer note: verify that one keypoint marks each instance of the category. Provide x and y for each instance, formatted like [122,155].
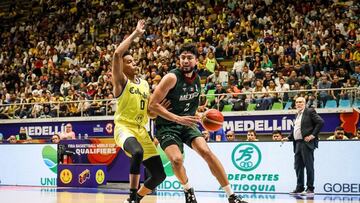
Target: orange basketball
[212,120]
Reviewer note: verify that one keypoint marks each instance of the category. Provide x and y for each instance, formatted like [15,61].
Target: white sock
[186,186]
[228,190]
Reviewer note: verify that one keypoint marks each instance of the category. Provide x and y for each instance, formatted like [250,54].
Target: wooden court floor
[13,194]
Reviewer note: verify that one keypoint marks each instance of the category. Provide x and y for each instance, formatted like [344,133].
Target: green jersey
[184,97]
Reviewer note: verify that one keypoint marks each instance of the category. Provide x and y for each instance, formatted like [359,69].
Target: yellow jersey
[132,104]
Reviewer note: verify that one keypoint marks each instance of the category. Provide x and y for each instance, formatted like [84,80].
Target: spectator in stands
[203,103]
[251,136]
[213,79]
[339,134]
[69,134]
[276,135]
[357,134]
[22,134]
[12,139]
[312,101]
[218,135]
[247,90]
[282,88]
[336,94]
[206,135]
[247,75]
[220,98]
[55,139]
[324,95]
[230,136]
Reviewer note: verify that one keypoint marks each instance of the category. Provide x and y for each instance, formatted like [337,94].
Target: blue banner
[99,128]
[266,124]
[263,124]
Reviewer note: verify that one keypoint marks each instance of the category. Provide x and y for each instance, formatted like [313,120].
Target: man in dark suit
[304,135]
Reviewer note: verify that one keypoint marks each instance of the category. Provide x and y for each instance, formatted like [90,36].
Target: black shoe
[297,191]
[236,199]
[190,196]
[129,200]
[308,192]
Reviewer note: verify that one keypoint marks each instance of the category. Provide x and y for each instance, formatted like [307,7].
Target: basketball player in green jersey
[178,125]
[130,118]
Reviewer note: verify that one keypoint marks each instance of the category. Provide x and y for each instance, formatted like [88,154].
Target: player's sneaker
[190,196]
[131,201]
[236,199]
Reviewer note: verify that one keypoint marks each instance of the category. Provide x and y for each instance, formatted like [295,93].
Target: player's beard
[187,69]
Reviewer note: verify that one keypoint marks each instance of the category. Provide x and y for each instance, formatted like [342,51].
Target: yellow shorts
[122,132]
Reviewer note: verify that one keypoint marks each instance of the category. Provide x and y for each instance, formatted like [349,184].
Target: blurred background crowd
[250,52]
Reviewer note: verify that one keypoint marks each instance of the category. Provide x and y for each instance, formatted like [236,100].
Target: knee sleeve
[156,170]
[133,147]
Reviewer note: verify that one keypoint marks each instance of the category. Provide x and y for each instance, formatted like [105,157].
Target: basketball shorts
[176,134]
[123,131]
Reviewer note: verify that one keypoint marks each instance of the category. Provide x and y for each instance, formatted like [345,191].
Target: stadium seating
[344,103]
[331,104]
[277,106]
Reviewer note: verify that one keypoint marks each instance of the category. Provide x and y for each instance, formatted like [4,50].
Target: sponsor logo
[246,157]
[84,176]
[100,176]
[342,187]
[66,176]
[109,128]
[98,129]
[166,162]
[49,155]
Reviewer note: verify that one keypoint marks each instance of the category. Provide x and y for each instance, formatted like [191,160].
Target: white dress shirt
[297,126]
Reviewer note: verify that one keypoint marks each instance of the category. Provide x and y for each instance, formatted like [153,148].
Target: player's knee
[137,154]
[205,153]
[176,161]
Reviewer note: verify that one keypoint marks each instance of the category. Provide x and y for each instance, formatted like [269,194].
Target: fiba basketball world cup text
[93,148]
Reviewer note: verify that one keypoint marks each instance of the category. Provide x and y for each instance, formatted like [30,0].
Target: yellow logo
[66,176]
[100,176]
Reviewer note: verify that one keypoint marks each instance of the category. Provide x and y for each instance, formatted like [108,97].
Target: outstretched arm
[118,77]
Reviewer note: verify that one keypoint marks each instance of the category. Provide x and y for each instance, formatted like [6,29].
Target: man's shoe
[297,191]
[129,200]
[236,199]
[308,192]
[190,196]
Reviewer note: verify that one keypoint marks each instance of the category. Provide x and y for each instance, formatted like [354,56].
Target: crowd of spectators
[63,52]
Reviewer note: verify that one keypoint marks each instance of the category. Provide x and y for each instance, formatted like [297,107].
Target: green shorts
[176,134]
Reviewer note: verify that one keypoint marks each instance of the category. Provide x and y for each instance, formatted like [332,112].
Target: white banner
[269,167]
[28,164]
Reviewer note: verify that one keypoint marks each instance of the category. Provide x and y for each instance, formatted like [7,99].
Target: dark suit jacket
[311,124]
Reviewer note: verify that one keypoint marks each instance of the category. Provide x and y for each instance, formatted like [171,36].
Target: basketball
[212,120]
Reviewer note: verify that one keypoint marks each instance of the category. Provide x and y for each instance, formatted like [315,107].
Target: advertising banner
[46,129]
[81,175]
[269,167]
[266,124]
[28,164]
[240,124]
[100,151]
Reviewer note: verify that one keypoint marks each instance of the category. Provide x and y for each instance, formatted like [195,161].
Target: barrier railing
[106,107]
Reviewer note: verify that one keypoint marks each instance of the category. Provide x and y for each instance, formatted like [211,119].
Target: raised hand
[140,27]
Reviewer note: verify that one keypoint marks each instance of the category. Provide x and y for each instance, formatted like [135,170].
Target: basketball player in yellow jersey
[131,115]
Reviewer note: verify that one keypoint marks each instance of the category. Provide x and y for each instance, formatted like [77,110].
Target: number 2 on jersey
[187,107]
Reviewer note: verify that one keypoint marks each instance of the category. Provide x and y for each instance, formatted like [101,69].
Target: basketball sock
[133,193]
[228,190]
[186,186]
[139,197]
